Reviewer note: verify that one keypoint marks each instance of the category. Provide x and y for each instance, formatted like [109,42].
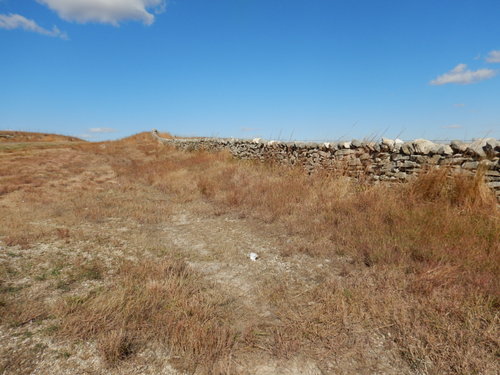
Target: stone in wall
[387,160]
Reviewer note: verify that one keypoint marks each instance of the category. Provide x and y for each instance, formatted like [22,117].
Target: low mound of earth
[18,136]
[129,257]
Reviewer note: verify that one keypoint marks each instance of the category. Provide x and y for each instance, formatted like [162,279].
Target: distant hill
[143,137]
[17,136]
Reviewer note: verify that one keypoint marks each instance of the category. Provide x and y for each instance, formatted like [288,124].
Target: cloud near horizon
[493,57]
[16,21]
[460,75]
[106,11]
[102,130]
[452,126]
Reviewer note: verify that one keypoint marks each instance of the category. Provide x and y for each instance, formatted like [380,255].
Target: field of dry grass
[7,136]
[129,257]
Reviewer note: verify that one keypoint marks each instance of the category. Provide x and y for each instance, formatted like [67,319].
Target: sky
[275,69]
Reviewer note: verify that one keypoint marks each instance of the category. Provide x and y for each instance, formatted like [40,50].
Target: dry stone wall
[388,160]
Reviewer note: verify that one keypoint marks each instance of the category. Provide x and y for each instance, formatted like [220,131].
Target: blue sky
[278,69]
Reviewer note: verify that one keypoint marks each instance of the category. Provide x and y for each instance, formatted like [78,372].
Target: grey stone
[421,159]
[388,142]
[494,185]
[410,164]
[452,161]
[492,173]
[386,168]
[424,147]
[344,152]
[458,146]
[434,159]
[497,146]
[386,148]
[481,147]
[397,157]
[398,143]
[355,143]
[470,165]
[445,150]
[491,147]
[369,146]
[407,148]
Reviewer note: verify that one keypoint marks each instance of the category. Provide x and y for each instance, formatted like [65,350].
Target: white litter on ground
[253,256]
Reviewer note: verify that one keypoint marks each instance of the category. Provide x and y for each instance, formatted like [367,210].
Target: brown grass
[419,263]
[154,301]
[433,245]
[17,136]
[434,220]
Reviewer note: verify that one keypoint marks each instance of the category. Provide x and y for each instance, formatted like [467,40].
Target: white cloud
[461,75]
[459,105]
[102,130]
[453,126]
[16,21]
[493,57]
[106,11]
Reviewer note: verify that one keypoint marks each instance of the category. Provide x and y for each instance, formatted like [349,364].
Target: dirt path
[219,247]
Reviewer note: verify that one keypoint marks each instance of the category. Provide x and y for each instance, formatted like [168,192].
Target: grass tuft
[163,302]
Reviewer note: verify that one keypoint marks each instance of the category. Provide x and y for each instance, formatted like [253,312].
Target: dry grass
[449,331]
[435,220]
[416,266]
[17,136]
[154,301]
[433,246]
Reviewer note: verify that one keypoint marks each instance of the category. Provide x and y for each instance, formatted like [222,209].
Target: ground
[128,258]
